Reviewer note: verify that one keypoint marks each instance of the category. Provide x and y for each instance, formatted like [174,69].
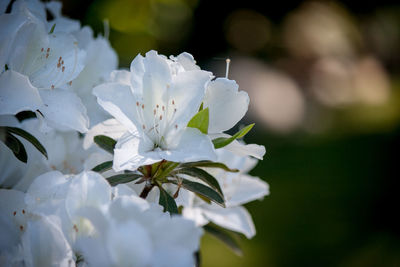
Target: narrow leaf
[30,138]
[105,142]
[200,121]
[208,164]
[224,141]
[203,190]
[167,169]
[103,167]
[16,147]
[52,28]
[225,237]
[167,201]
[202,175]
[122,178]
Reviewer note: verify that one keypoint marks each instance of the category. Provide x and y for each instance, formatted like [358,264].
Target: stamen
[23,211]
[142,106]
[42,49]
[228,61]
[14,213]
[21,228]
[137,103]
[63,68]
[47,55]
[48,49]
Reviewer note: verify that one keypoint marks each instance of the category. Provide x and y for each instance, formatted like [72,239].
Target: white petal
[64,110]
[11,218]
[136,73]
[237,219]
[88,189]
[227,105]
[44,244]
[118,100]
[254,150]
[133,151]
[246,189]
[111,128]
[192,145]
[121,76]
[187,91]
[187,61]
[17,94]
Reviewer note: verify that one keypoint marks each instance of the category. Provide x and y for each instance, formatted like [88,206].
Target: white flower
[40,69]
[156,106]
[238,188]
[136,233]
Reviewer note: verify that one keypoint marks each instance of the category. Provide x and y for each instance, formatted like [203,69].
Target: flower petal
[236,219]
[227,105]
[17,94]
[133,151]
[192,145]
[118,100]
[111,128]
[246,189]
[187,92]
[64,110]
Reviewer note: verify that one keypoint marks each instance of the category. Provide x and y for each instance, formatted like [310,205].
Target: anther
[176,126]
[142,106]
[52,86]
[137,103]
[155,111]
[23,211]
[163,108]
[42,49]
[160,117]
[157,106]
[63,68]
[58,65]
[70,83]
[173,102]
[75,228]
[48,49]
[47,55]
[21,228]
[62,62]
[14,213]
[144,126]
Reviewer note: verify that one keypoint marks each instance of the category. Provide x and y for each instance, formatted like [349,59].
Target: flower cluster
[107,167]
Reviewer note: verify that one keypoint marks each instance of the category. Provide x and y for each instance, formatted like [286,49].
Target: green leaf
[103,167]
[200,121]
[52,28]
[166,170]
[202,175]
[105,142]
[167,201]
[208,164]
[224,141]
[225,237]
[30,138]
[202,190]
[122,178]
[16,147]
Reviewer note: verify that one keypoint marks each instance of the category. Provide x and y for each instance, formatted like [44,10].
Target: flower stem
[146,190]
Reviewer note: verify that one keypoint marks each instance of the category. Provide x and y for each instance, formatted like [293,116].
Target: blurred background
[324,83]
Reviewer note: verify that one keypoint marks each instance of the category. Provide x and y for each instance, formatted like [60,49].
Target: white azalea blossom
[156,184]
[155,107]
[239,188]
[40,68]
